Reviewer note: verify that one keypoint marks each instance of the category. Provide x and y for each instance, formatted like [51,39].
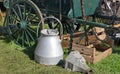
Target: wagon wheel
[24,16]
[52,22]
[7,4]
[67,26]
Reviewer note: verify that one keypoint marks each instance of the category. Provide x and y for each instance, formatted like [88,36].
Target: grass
[110,65]
[17,60]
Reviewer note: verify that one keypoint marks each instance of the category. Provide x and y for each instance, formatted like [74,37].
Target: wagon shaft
[94,24]
[26,18]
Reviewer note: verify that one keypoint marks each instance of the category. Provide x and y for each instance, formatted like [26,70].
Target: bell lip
[45,32]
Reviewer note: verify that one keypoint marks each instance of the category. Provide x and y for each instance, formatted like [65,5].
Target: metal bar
[83,17]
[33,17]
[18,37]
[83,35]
[23,41]
[30,29]
[24,12]
[92,23]
[27,39]
[16,13]
[30,35]
[20,12]
[71,39]
[60,10]
[27,16]
[13,17]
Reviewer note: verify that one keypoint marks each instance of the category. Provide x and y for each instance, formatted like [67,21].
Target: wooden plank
[89,52]
[102,36]
[83,49]
[102,55]
[65,44]
[98,58]
[117,25]
[98,29]
[1,15]
[88,58]
[76,34]
[91,39]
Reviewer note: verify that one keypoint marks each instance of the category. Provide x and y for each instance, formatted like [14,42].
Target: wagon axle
[22,24]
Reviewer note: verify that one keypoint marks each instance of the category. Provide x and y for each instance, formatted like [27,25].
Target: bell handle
[58,25]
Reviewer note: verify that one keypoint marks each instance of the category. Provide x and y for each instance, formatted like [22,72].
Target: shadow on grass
[61,63]
[4,36]
[116,48]
[30,52]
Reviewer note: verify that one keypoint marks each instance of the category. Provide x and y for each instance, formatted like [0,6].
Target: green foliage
[17,60]
[105,44]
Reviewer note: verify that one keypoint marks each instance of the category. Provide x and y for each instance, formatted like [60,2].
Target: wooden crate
[90,54]
[92,39]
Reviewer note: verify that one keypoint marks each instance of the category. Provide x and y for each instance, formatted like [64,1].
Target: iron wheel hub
[22,24]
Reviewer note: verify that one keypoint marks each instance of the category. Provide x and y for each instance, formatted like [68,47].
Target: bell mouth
[49,32]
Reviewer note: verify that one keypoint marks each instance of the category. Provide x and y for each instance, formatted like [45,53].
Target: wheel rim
[67,28]
[24,16]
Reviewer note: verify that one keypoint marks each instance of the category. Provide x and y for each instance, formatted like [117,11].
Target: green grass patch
[18,60]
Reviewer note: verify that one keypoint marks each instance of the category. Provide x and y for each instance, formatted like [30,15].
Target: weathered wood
[65,43]
[83,49]
[88,58]
[99,57]
[76,34]
[102,36]
[1,15]
[102,55]
[91,38]
[90,53]
[98,29]
[117,25]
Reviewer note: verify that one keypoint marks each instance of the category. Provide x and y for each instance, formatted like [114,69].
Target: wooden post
[1,15]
